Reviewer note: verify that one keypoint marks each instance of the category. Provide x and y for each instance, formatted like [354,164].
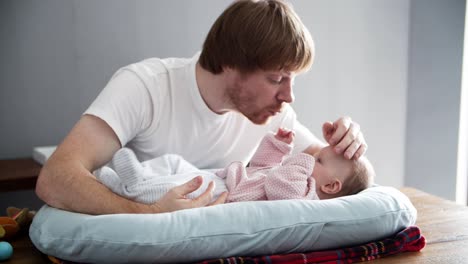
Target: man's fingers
[204,198]
[221,199]
[357,148]
[189,186]
[327,131]
[362,149]
[352,148]
[349,137]
[342,127]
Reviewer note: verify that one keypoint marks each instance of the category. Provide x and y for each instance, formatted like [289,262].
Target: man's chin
[260,120]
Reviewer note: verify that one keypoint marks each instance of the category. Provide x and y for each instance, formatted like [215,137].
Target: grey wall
[435,63]
[361,71]
[57,55]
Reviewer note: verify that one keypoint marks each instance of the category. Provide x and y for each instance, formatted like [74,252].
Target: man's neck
[212,89]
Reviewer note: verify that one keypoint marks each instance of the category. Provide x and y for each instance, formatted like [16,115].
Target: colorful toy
[6,250]
[23,216]
[10,226]
[17,220]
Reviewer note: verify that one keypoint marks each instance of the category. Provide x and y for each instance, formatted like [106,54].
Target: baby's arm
[285,135]
[292,180]
[273,148]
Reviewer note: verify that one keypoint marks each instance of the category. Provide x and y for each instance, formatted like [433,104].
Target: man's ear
[332,187]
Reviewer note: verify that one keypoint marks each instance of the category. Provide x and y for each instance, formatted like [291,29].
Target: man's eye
[276,81]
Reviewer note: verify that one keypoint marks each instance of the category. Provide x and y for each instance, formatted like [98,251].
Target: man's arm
[66,181]
[344,135]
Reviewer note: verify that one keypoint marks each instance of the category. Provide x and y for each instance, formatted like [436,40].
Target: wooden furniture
[442,222]
[24,252]
[18,174]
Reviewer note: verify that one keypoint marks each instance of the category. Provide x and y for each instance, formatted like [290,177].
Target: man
[211,109]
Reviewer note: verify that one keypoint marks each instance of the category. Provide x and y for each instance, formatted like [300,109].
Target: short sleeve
[125,105]
[288,119]
[304,138]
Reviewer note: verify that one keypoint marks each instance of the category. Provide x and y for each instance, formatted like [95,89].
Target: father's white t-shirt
[155,108]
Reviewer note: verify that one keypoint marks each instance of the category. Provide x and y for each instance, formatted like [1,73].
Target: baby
[274,173]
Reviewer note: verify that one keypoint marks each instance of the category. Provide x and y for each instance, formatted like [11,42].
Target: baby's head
[337,176]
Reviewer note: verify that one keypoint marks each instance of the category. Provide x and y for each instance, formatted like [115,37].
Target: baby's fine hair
[362,177]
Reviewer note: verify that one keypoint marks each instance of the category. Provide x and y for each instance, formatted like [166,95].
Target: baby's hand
[285,135]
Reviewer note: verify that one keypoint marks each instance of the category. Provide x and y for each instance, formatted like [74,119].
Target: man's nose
[286,93]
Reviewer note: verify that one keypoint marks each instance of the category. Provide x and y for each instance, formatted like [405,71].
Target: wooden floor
[442,222]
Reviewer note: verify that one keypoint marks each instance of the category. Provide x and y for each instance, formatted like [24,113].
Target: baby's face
[329,165]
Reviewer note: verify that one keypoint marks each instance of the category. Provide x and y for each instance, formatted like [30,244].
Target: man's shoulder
[152,66]
[155,65]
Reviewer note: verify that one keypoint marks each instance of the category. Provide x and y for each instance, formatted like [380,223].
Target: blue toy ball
[6,250]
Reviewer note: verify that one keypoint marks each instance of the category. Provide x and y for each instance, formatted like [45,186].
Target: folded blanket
[409,239]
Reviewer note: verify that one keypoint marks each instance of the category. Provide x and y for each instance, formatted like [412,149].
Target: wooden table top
[24,252]
[442,222]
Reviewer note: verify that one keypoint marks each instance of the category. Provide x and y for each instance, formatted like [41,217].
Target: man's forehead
[281,72]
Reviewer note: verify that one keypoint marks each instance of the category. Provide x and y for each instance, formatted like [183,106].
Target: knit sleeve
[270,152]
[292,180]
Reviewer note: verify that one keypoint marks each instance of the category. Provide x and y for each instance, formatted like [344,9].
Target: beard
[261,116]
[258,117]
[245,102]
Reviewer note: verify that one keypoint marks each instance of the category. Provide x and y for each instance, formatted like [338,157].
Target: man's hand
[346,137]
[175,199]
[285,135]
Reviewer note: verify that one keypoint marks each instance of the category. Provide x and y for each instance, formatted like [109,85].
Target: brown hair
[362,176]
[258,34]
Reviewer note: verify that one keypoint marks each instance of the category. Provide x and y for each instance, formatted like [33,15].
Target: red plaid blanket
[409,239]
